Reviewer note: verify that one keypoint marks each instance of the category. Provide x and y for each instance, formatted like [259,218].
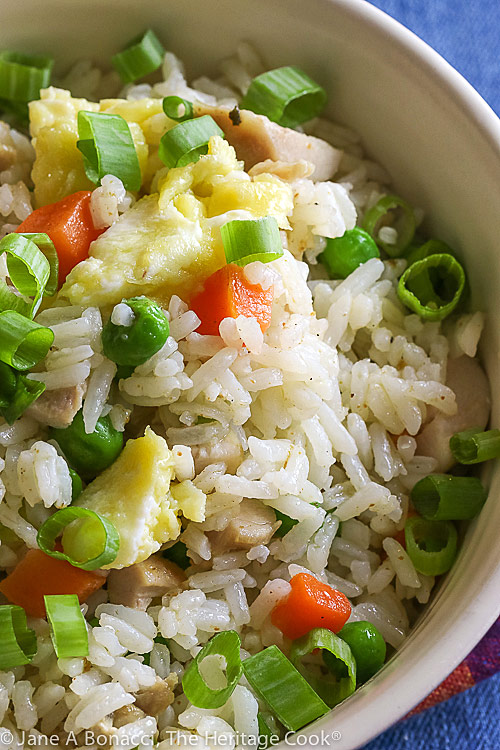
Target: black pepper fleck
[235,116]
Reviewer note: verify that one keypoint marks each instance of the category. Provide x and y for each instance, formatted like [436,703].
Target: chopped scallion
[286,95]
[29,271]
[89,540]
[187,141]
[282,687]
[404,224]
[46,246]
[18,641]
[443,497]
[177,108]
[431,247]
[107,147]
[17,392]
[249,240]
[69,632]
[475,446]
[22,76]
[141,56]
[196,688]
[23,342]
[331,690]
[287,523]
[342,255]
[432,287]
[431,545]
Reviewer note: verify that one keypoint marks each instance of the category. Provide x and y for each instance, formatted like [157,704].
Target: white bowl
[441,143]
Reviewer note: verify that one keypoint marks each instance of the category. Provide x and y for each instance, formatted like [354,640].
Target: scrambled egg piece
[58,169]
[136,495]
[170,242]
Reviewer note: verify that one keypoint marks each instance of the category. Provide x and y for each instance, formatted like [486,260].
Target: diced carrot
[310,604]
[70,227]
[38,574]
[227,293]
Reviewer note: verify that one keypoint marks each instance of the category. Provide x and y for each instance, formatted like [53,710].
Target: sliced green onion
[17,392]
[286,95]
[431,247]
[23,342]
[177,554]
[107,147]
[248,240]
[475,446]
[197,691]
[342,255]
[431,545]
[69,631]
[29,271]
[22,76]
[265,733]
[331,690]
[404,223]
[18,641]
[89,540]
[287,523]
[177,108]
[442,497]
[282,687]
[187,141]
[46,246]
[432,287]
[141,56]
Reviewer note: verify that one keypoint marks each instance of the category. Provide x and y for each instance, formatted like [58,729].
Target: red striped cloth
[482,662]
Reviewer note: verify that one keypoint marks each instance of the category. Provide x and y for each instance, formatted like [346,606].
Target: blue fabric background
[467,34]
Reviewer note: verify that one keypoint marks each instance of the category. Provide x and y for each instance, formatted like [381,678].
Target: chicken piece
[467,379]
[287,171]
[254,524]
[126,715]
[137,585]
[155,699]
[227,451]
[57,408]
[255,138]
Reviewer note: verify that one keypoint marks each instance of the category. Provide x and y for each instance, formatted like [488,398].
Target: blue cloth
[464,32]
[467,34]
[469,721]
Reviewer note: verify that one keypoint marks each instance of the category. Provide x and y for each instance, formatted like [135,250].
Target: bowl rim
[474,621]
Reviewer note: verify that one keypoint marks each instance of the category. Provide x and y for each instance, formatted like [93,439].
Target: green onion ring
[17,392]
[475,446]
[282,687]
[22,76]
[141,56]
[405,225]
[432,287]
[431,545]
[285,95]
[29,271]
[196,689]
[69,631]
[331,690]
[18,641]
[46,246]
[23,342]
[59,522]
[249,240]
[187,141]
[177,108]
[443,497]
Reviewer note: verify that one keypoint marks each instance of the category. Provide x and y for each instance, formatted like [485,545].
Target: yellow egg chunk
[262,197]
[145,252]
[58,169]
[134,494]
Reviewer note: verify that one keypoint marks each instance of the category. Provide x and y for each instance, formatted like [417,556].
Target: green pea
[89,454]
[342,255]
[135,344]
[76,484]
[367,646]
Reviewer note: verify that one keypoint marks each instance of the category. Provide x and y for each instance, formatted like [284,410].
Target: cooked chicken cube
[254,524]
[227,451]
[137,585]
[255,138]
[57,408]
[127,715]
[155,699]
[467,379]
